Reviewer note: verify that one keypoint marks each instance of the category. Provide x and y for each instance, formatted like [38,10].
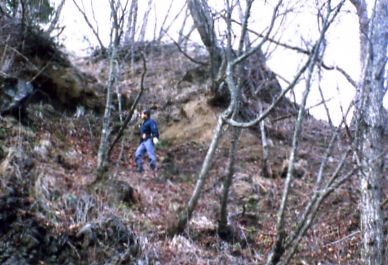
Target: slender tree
[131,32]
[116,33]
[227,73]
[144,24]
[287,239]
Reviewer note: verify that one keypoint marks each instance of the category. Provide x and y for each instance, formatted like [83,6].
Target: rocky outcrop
[33,68]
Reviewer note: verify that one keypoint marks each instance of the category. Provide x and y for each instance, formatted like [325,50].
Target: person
[149,137]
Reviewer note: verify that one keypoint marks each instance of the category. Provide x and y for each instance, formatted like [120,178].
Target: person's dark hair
[147,112]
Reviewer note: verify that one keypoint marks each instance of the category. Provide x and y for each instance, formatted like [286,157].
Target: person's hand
[155,140]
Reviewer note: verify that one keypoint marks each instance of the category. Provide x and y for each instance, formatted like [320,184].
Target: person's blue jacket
[149,129]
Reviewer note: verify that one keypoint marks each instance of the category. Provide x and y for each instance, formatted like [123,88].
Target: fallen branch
[342,239]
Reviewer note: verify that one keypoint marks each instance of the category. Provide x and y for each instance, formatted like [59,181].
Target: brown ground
[186,122]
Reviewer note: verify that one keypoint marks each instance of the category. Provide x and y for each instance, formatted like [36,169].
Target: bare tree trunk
[187,212]
[131,32]
[265,168]
[204,23]
[233,108]
[161,29]
[181,37]
[228,179]
[101,155]
[102,162]
[131,27]
[120,109]
[370,119]
[278,247]
[145,22]
[244,40]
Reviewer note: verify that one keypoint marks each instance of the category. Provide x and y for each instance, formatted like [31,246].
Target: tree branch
[103,49]
[303,51]
[54,22]
[132,109]
[184,53]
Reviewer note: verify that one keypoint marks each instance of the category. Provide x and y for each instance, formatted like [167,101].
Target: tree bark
[102,162]
[204,23]
[101,155]
[265,167]
[228,179]
[370,127]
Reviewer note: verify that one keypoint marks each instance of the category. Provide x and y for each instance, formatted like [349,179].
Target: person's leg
[151,153]
[139,156]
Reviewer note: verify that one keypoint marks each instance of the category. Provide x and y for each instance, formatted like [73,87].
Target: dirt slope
[60,149]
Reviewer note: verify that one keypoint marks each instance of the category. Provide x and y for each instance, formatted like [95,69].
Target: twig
[184,53]
[74,248]
[342,239]
[3,74]
[95,32]
[307,109]
[40,72]
[303,51]
[5,50]
[24,57]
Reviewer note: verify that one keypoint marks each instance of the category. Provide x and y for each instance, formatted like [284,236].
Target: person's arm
[155,132]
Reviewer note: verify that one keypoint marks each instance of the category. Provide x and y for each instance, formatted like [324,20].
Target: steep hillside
[50,215]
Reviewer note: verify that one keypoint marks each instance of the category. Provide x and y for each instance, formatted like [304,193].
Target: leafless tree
[132,22]
[223,229]
[144,24]
[131,110]
[370,126]
[94,29]
[287,239]
[279,246]
[203,17]
[182,38]
[117,16]
[131,32]
[165,28]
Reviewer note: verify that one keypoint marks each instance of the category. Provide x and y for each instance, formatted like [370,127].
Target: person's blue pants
[144,146]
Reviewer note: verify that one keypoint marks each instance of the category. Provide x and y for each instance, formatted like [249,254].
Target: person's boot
[139,166]
[139,170]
